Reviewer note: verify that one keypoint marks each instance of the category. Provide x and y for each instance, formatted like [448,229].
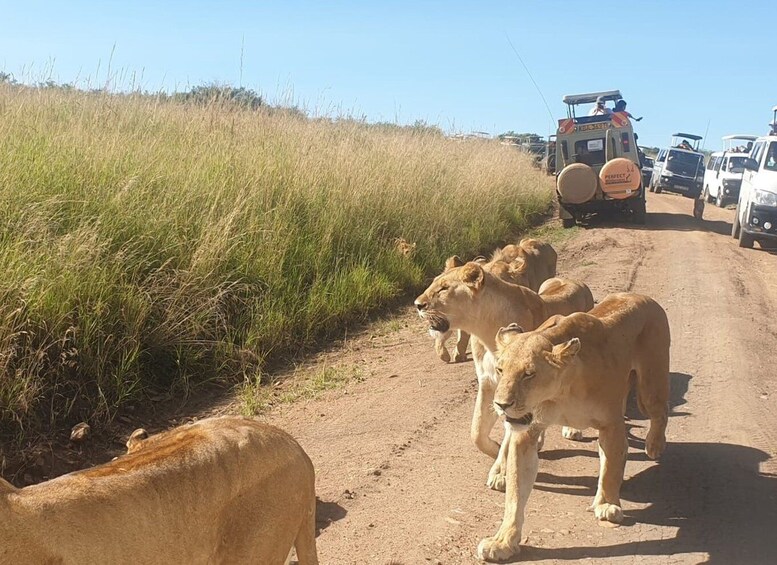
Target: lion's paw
[444,355]
[494,550]
[609,513]
[572,433]
[496,481]
[654,446]
[460,357]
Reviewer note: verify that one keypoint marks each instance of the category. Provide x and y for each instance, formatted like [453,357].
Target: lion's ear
[472,274]
[519,265]
[506,335]
[453,262]
[136,440]
[562,354]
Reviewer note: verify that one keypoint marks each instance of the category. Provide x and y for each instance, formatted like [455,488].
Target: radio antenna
[530,77]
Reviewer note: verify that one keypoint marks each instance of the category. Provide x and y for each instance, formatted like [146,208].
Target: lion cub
[221,490]
[575,371]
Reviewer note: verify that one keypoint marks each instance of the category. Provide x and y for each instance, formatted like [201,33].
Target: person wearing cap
[600,109]
[620,106]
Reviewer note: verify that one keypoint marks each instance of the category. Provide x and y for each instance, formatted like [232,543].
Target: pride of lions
[234,490]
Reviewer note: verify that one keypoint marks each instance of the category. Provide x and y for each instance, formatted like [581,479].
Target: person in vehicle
[748,147]
[600,109]
[620,106]
[685,145]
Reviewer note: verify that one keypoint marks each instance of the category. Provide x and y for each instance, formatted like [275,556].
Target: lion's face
[451,297]
[530,370]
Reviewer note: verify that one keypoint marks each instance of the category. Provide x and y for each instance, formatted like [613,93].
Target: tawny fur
[575,370]
[474,300]
[222,490]
[529,263]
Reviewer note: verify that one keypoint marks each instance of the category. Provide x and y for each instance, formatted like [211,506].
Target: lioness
[222,490]
[575,370]
[477,301]
[529,264]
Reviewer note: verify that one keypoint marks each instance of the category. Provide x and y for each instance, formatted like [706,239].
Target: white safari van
[723,175]
[756,216]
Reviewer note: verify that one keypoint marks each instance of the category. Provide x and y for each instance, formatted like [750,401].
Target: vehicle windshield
[771,157]
[685,164]
[590,151]
[736,164]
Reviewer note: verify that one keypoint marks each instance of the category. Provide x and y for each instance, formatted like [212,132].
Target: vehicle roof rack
[590,97]
[740,136]
[688,136]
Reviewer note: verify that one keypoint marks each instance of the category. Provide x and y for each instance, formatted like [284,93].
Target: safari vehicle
[756,215]
[723,176]
[597,166]
[680,167]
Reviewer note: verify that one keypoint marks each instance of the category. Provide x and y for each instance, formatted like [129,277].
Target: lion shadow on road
[327,513]
[713,493]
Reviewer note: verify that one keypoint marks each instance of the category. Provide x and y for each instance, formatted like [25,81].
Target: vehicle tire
[651,188]
[745,239]
[658,189]
[638,213]
[706,195]
[735,225]
[720,202]
[568,222]
[698,208]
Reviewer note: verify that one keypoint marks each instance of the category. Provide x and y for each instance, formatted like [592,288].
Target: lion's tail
[652,369]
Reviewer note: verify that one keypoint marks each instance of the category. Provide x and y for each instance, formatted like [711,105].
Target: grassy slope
[148,246]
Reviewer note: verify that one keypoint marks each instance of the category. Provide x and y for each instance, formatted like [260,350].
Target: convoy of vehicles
[597,165]
[723,176]
[756,213]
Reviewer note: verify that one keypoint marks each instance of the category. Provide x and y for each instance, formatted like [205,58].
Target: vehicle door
[709,173]
[658,166]
[720,171]
[747,179]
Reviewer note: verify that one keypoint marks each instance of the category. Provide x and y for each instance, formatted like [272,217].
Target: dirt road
[400,480]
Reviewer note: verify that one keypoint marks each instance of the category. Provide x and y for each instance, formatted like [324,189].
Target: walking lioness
[479,302]
[575,370]
[529,263]
[222,490]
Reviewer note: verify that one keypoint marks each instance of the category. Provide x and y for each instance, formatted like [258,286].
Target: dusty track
[400,480]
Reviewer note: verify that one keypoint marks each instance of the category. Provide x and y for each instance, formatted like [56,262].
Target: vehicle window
[685,164]
[736,164]
[661,156]
[770,163]
[722,163]
[711,163]
[590,151]
[758,151]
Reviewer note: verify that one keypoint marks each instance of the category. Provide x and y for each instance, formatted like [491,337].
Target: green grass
[148,246]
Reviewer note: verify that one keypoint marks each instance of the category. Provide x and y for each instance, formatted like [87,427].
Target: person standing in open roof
[620,106]
[600,109]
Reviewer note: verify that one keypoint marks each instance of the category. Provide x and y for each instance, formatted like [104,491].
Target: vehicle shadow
[714,494]
[660,221]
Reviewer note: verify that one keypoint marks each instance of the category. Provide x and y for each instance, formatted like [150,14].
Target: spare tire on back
[620,178]
[577,183]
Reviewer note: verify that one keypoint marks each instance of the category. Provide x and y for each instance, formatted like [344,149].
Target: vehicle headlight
[667,173]
[764,198]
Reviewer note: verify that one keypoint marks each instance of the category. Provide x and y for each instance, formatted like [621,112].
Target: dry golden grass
[147,245]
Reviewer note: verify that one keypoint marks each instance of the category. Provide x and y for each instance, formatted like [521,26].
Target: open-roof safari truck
[597,164]
[680,168]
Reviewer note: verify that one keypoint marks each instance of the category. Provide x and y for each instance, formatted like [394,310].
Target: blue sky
[680,64]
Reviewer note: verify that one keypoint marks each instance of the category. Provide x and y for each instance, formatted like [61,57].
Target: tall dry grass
[146,246]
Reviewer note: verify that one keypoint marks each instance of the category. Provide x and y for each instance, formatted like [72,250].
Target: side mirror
[750,164]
